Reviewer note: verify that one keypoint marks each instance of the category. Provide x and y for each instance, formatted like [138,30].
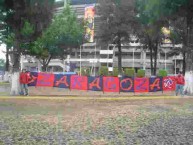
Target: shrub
[130,72]
[103,71]
[162,73]
[141,73]
[85,72]
[115,71]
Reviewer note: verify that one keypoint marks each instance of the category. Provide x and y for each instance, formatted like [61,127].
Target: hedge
[141,73]
[162,73]
[130,72]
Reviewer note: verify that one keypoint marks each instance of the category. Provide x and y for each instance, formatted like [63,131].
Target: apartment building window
[127,56]
[137,55]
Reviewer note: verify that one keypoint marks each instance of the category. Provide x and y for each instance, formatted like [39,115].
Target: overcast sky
[2,48]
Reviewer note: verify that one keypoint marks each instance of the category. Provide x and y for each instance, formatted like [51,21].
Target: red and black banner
[106,84]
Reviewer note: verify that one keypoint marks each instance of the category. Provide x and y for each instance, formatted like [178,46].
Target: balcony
[106,60]
[106,51]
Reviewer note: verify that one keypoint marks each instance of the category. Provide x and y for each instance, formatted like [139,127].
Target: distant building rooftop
[76,2]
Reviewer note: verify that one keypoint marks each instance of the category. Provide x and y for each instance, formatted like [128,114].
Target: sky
[2,48]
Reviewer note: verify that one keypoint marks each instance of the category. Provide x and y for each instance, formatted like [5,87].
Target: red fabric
[45,80]
[180,80]
[79,82]
[111,84]
[141,85]
[24,78]
[169,83]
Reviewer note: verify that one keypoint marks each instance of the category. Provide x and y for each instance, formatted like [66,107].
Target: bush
[141,73]
[130,72]
[103,71]
[115,72]
[162,73]
[85,72]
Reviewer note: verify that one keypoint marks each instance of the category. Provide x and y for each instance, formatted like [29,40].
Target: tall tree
[118,21]
[64,33]
[149,31]
[23,12]
[160,9]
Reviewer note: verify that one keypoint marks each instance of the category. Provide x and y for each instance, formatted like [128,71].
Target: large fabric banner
[33,78]
[111,84]
[106,84]
[127,84]
[45,80]
[62,81]
[141,85]
[169,83]
[89,20]
[79,82]
[95,83]
[155,84]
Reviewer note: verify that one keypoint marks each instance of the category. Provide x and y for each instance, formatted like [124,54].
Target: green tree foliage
[115,72]
[162,73]
[118,21]
[151,37]
[130,72]
[178,14]
[26,19]
[64,33]
[2,64]
[141,73]
[85,71]
[103,71]
[153,10]
[149,16]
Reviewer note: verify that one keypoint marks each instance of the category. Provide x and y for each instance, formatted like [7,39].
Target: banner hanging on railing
[155,84]
[95,83]
[169,83]
[111,84]
[106,84]
[45,80]
[79,82]
[127,84]
[62,81]
[141,85]
[33,78]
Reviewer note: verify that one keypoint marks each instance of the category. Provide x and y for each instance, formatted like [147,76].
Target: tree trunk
[189,83]
[44,68]
[155,59]
[6,76]
[184,63]
[45,63]
[15,86]
[119,57]
[7,60]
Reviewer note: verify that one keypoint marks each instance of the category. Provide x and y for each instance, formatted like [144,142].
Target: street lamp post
[95,61]
[133,58]
[165,59]
[144,60]
[80,60]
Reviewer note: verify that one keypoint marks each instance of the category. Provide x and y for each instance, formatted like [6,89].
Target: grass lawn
[74,122]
